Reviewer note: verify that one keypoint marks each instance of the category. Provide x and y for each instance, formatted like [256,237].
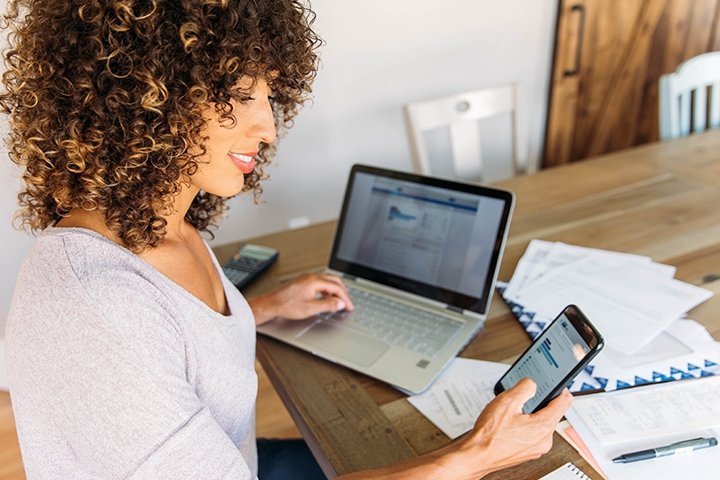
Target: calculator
[248,263]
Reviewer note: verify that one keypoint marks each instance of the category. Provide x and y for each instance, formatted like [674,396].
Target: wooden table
[660,200]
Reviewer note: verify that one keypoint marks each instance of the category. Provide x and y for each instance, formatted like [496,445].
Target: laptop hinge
[467,313]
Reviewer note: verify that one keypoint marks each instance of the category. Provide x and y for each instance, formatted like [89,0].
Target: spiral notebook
[566,472]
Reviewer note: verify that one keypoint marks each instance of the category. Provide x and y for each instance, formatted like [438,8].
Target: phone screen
[551,358]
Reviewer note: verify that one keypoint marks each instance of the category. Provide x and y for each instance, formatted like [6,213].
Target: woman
[128,352]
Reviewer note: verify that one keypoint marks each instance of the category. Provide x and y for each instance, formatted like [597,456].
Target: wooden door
[609,55]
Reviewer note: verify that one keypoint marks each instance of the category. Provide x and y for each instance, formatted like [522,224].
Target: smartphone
[555,358]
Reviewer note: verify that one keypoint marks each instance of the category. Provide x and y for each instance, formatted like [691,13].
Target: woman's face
[230,149]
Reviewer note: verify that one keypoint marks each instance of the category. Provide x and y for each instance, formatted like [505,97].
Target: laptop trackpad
[344,342]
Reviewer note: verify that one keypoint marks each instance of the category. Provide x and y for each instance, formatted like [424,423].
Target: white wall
[379,55]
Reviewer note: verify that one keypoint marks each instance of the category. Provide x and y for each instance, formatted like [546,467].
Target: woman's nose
[265,123]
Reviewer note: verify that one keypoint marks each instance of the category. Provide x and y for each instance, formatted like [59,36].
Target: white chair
[460,114]
[680,110]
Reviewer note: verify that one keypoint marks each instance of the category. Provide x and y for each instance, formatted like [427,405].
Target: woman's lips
[246,163]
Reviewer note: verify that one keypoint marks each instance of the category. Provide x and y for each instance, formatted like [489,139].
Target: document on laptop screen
[428,234]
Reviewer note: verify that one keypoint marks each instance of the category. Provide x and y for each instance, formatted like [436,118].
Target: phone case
[569,311]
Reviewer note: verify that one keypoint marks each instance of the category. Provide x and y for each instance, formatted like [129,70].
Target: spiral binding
[565,471]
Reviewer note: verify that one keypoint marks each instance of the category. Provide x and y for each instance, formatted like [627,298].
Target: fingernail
[340,305]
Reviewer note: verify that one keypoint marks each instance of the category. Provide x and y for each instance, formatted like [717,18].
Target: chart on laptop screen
[428,234]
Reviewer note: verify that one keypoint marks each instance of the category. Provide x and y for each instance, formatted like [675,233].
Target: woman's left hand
[307,295]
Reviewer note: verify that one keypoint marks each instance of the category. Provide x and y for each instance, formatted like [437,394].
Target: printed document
[458,396]
[629,303]
[542,257]
[698,465]
[651,411]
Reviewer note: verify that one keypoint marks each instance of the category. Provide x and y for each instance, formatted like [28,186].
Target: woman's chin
[227,190]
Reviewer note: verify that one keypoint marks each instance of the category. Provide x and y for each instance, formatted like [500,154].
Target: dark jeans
[286,460]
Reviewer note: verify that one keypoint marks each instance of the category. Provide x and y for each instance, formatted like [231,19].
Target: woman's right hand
[504,436]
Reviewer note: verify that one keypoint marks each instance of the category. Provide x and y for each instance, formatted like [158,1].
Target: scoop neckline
[98,236]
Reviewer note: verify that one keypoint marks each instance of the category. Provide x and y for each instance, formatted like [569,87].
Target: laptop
[419,256]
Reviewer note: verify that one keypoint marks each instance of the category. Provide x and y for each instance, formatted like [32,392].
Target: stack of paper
[616,423]
[635,303]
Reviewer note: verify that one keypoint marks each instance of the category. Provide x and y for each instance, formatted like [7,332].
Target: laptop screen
[432,237]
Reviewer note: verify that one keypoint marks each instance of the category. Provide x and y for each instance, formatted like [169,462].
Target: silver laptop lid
[436,238]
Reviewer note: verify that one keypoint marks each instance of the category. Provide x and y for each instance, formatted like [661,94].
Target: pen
[672,449]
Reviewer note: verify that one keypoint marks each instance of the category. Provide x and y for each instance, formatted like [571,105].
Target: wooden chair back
[690,97]
[460,114]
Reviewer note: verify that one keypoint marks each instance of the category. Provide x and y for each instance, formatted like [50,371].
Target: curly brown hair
[106,100]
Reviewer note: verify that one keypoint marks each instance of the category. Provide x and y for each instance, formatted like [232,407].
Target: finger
[557,407]
[336,290]
[328,304]
[332,278]
[338,281]
[523,391]
[551,414]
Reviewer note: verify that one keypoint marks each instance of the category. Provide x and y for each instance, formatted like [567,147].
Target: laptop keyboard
[398,323]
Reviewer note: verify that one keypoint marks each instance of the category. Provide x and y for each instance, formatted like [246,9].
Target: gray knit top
[116,371]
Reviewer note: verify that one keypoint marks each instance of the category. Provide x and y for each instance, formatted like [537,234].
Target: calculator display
[247,263]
